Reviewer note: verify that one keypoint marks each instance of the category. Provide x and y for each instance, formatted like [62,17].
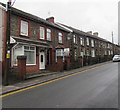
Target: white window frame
[23,53]
[32,51]
[81,41]
[60,37]
[92,42]
[111,52]
[24,25]
[108,52]
[74,39]
[13,54]
[48,34]
[92,53]
[82,54]
[105,52]
[59,52]
[87,40]
[87,52]
[108,45]
[42,32]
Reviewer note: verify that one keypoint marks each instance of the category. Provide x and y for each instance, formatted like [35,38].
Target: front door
[42,60]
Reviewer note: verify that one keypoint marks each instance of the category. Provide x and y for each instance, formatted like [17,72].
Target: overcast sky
[87,15]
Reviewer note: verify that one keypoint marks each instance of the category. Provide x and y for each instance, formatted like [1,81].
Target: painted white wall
[1,45]
[2,12]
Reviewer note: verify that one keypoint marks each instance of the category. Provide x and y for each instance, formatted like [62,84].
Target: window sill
[42,39]
[49,40]
[26,64]
[24,35]
[30,64]
[60,43]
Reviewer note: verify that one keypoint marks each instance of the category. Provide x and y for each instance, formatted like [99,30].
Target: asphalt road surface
[95,88]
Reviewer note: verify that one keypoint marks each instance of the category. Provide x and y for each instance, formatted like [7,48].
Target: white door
[42,60]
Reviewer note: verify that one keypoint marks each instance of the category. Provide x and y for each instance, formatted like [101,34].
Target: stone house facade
[90,47]
[40,40]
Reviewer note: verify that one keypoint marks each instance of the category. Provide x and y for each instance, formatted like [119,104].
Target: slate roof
[77,31]
[35,18]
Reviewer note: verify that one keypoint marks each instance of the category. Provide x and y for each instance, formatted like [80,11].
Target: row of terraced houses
[52,46]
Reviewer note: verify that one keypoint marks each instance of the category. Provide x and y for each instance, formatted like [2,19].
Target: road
[95,88]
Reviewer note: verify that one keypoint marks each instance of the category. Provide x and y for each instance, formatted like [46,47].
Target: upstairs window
[49,34]
[92,43]
[42,32]
[74,39]
[60,37]
[82,41]
[87,40]
[24,25]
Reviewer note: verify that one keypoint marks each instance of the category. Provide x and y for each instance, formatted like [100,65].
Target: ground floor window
[59,52]
[105,52]
[29,51]
[87,52]
[92,53]
[81,54]
[109,52]
[17,51]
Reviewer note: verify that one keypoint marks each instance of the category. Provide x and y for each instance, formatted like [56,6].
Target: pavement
[42,78]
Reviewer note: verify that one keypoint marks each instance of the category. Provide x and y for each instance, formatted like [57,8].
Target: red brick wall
[52,56]
[56,67]
[67,63]
[80,60]
[21,67]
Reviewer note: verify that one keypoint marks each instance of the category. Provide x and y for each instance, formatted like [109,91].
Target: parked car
[116,58]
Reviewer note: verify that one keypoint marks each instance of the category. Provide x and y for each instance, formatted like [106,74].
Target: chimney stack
[50,19]
[89,32]
[95,34]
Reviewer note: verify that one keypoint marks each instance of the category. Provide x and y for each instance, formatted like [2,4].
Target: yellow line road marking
[17,91]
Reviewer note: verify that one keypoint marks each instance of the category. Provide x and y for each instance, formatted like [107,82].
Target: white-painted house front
[1,29]
[2,18]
